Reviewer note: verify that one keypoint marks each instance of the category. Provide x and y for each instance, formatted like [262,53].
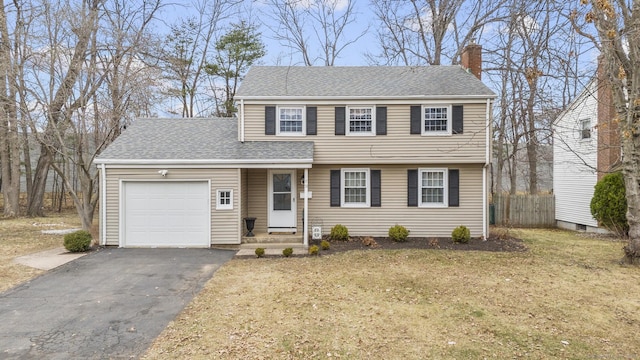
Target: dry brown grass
[23,236]
[568,297]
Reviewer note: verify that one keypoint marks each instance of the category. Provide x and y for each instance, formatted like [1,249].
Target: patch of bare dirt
[498,243]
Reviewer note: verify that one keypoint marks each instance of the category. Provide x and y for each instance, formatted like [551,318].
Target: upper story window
[432,187]
[361,121]
[355,187]
[436,120]
[585,129]
[290,121]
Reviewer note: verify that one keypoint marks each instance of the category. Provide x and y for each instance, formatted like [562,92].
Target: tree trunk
[35,206]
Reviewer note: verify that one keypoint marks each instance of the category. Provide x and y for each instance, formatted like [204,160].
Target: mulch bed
[495,244]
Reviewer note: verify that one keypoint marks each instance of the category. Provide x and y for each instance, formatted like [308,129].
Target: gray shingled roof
[214,139]
[360,81]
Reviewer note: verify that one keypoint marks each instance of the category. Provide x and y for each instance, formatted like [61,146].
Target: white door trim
[290,223]
[121,205]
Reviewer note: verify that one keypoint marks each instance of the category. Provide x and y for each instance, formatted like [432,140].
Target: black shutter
[312,120]
[340,115]
[416,119]
[270,120]
[454,187]
[335,188]
[456,121]
[375,189]
[412,187]
[381,120]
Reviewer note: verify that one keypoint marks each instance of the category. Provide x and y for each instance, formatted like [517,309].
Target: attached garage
[165,214]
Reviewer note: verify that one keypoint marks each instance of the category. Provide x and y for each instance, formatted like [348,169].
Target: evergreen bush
[609,203]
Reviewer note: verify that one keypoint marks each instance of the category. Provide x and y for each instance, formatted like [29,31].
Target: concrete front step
[272,239]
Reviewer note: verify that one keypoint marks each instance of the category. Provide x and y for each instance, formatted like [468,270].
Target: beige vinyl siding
[258,198]
[397,147]
[225,224]
[375,221]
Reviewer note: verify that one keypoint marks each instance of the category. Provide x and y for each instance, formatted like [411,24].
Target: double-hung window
[290,120]
[355,188]
[585,129]
[224,199]
[436,120]
[361,120]
[432,187]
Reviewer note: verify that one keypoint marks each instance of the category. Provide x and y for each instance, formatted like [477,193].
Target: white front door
[282,200]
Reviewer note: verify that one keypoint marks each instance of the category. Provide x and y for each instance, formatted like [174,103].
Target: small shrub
[461,234]
[398,233]
[287,252]
[325,245]
[433,242]
[259,252]
[313,250]
[500,234]
[609,204]
[339,232]
[77,241]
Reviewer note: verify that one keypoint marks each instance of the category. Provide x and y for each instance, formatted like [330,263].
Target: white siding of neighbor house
[225,224]
[575,160]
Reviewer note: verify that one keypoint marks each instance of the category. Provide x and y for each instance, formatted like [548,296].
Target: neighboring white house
[584,149]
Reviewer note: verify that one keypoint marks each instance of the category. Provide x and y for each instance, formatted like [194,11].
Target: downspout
[103,204]
[242,120]
[485,168]
[305,232]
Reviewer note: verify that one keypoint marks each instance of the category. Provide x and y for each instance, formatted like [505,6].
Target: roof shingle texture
[361,81]
[198,139]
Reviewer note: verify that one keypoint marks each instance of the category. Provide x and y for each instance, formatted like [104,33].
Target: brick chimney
[607,129]
[471,59]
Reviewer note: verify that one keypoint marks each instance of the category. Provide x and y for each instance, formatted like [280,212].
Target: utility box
[316,229]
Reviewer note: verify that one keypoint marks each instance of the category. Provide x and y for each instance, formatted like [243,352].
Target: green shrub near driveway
[339,232]
[77,241]
[461,234]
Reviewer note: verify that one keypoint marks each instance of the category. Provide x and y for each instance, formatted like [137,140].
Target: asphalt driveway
[110,304]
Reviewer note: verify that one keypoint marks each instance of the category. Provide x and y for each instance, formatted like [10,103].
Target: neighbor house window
[224,199]
[290,121]
[585,129]
[432,187]
[355,187]
[361,121]
[436,120]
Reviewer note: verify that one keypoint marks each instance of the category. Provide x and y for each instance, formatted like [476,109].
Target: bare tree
[616,33]
[9,136]
[428,32]
[307,25]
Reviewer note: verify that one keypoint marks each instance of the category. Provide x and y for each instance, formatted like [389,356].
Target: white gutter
[242,120]
[305,232]
[485,168]
[200,161]
[103,204]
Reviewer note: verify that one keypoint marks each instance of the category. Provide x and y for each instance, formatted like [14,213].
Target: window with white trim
[436,120]
[432,187]
[361,121]
[224,199]
[290,120]
[355,188]
[585,129]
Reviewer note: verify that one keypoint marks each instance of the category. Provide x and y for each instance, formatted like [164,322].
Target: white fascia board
[191,164]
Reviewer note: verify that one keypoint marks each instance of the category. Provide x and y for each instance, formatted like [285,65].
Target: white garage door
[166,214]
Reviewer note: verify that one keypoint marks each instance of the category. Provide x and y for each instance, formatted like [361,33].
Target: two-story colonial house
[366,147]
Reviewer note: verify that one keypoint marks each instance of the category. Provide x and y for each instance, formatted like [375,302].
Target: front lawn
[567,297]
[23,236]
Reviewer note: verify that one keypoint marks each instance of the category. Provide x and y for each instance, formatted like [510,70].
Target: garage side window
[224,199]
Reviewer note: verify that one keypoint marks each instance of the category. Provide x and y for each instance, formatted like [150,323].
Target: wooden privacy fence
[525,210]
